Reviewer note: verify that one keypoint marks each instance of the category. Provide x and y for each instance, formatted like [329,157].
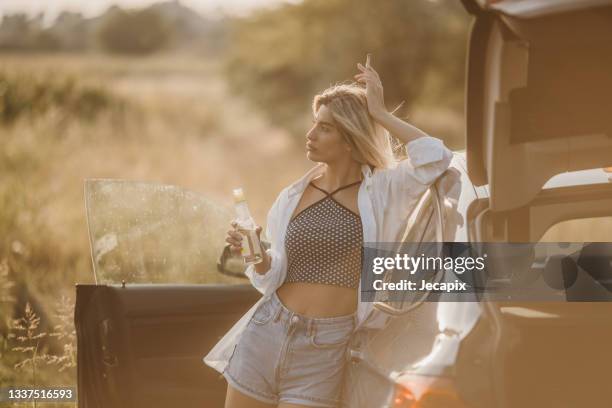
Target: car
[535,169]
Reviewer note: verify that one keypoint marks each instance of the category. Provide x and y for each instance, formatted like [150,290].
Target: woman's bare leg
[236,399]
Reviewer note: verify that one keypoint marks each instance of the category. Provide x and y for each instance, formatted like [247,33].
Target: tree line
[280,58]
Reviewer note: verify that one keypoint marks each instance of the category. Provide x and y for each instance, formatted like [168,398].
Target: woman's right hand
[374,89]
[234,238]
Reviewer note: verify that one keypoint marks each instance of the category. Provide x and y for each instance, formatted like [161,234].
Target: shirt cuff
[424,150]
[428,158]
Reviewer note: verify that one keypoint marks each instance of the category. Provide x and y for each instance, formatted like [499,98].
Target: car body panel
[526,121]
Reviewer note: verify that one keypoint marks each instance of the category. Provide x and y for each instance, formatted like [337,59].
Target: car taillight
[403,398]
[415,391]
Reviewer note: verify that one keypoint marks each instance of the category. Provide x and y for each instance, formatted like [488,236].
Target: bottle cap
[238,195]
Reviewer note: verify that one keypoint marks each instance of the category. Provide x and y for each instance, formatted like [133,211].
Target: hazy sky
[93,7]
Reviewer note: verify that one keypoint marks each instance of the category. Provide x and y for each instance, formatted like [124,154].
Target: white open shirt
[385,199]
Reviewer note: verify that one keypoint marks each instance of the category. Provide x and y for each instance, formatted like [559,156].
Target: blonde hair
[370,143]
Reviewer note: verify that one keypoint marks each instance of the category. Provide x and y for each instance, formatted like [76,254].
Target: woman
[289,349]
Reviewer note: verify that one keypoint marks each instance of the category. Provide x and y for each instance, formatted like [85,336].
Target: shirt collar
[300,185]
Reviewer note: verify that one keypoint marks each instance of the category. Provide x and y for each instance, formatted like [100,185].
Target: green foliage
[29,95]
[281,57]
[134,32]
[19,32]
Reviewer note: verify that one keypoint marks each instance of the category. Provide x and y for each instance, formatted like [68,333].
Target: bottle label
[251,252]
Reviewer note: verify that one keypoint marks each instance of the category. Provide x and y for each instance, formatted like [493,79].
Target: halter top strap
[336,190]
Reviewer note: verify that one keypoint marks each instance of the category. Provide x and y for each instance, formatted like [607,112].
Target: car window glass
[421,229]
[154,233]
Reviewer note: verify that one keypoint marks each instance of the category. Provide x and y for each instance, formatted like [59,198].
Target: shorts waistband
[284,310]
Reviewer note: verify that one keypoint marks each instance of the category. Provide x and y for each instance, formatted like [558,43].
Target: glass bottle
[251,247]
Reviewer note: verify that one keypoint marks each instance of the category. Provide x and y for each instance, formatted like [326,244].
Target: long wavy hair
[370,142]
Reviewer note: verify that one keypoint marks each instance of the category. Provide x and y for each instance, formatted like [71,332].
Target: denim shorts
[283,356]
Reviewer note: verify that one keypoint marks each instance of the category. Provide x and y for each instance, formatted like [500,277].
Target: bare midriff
[318,300]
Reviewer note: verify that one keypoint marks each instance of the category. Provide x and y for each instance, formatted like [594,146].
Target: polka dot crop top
[324,243]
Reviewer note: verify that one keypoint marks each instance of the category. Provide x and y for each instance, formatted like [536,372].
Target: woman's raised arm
[428,156]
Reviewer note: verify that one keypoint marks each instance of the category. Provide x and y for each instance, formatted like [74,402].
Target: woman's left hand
[374,89]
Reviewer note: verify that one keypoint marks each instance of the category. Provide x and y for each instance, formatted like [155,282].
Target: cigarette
[367,60]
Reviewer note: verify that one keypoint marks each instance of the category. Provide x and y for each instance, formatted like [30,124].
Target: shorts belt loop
[310,324]
[278,312]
